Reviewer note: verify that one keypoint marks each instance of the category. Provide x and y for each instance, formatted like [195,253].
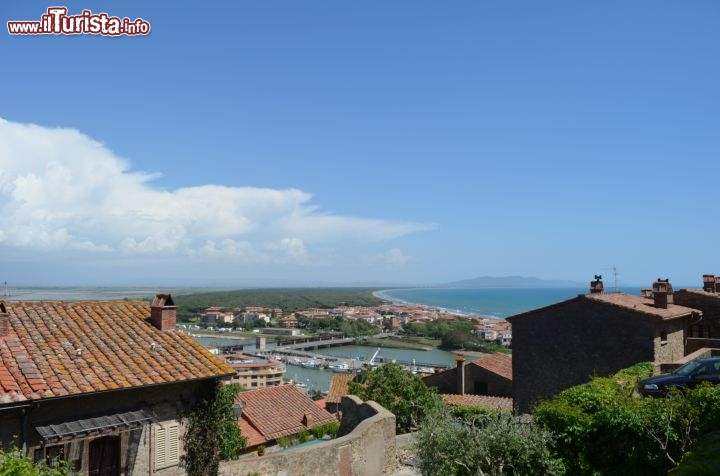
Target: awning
[94,426]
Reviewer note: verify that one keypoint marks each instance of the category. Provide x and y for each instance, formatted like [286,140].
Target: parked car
[687,376]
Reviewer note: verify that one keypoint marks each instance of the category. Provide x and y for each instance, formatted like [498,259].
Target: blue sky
[406,141]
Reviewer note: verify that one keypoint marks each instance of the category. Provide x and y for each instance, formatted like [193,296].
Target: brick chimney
[709,283]
[596,287]
[307,420]
[4,320]
[163,312]
[662,293]
[460,374]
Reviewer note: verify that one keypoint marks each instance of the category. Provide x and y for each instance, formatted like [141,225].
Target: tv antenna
[6,292]
[615,272]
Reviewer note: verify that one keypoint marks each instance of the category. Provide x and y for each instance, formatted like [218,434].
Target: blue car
[688,376]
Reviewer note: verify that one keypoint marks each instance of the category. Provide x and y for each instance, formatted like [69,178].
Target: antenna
[6,293]
[616,281]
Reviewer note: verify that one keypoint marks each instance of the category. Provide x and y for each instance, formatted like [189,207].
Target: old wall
[367,450]
[563,345]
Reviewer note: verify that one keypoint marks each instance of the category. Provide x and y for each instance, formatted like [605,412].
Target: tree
[14,463]
[211,433]
[494,443]
[399,391]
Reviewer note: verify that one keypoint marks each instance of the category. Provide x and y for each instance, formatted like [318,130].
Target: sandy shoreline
[454,312]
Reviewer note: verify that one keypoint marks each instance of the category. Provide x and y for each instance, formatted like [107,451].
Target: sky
[415,142]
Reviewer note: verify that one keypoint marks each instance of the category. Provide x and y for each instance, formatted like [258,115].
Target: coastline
[381,294]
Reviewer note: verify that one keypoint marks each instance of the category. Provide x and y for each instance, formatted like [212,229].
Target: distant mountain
[512,282]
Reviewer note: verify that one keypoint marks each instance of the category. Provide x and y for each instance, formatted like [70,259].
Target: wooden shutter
[167,446]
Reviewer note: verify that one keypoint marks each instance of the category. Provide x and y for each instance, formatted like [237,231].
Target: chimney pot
[662,293]
[596,287]
[163,312]
[4,320]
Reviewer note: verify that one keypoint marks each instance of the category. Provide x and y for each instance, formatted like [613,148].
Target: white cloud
[391,259]
[61,190]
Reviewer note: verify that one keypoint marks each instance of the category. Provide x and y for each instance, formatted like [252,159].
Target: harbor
[317,372]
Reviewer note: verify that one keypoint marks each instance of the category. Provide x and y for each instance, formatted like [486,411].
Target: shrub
[325,429]
[484,444]
[303,436]
[14,463]
[400,392]
[284,442]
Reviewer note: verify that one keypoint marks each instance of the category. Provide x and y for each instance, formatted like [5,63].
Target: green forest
[288,299]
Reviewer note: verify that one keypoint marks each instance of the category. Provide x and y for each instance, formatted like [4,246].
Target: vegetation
[340,324]
[456,334]
[399,391]
[603,428]
[394,343]
[288,299]
[14,463]
[330,429]
[484,444]
[211,433]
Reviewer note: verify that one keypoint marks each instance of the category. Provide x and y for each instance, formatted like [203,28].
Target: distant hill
[512,282]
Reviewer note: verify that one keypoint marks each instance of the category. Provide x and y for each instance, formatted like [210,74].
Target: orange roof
[500,364]
[640,304]
[253,435]
[338,387]
[633,303]
[57,348]
[279,411]
[486,401]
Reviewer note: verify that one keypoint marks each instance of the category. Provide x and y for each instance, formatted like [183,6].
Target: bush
[484,444]
[284,442]
[14,463]
[402,393]
[603,428]
[303,436]
[326,429]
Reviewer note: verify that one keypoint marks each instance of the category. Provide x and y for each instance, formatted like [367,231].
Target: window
[167,446]
[663,337]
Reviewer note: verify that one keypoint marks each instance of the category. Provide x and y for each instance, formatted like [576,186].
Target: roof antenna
[6,293]
[616,287]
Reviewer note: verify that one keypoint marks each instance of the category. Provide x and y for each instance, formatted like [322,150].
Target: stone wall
[709,304]
[566,344]
[367,450]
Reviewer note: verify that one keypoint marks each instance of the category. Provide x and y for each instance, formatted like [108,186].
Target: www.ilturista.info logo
[57,22]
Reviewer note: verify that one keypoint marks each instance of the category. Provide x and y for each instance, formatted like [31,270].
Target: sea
[497,303]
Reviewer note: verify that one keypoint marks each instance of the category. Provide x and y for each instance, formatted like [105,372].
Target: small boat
[311,364]
[340,368]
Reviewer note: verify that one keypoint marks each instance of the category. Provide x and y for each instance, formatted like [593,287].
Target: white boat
[311,364]
[340,368]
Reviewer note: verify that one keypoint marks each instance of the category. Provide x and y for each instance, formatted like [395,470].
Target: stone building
[706,331]
[596,334]
[489,375]
[100,383]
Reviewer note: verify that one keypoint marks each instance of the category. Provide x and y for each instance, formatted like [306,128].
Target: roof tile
[63,348]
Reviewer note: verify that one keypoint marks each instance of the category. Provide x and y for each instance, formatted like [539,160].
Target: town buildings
[103,383]
[253,372]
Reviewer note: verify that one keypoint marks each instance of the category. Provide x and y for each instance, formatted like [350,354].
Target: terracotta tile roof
[640,304]
[279,411]
[486,401]
[500,364]
[338,387]
[253,435]
[59,348]
[701,292]
[633,303]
